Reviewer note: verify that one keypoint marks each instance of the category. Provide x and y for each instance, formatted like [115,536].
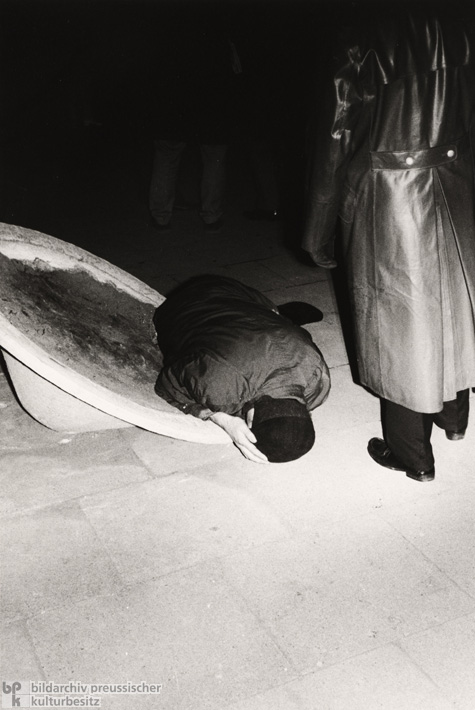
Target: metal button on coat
[409,160]
[450,153]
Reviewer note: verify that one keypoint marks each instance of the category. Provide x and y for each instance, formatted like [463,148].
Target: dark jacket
[225,345]
[393,156]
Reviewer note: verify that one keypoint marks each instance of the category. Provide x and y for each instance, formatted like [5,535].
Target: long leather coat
[225,345]
[393,156]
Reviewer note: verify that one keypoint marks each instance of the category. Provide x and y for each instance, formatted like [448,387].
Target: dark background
[80,81]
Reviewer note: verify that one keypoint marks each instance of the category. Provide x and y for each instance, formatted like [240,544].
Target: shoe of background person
[213,227]
[455,435]
[259,215]
[322,258]
[382,454]
[161,227]
[326,263]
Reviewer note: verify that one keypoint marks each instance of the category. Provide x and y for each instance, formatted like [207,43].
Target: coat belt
[417,159]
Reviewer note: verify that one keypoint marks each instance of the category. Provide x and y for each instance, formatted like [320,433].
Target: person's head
[283,429]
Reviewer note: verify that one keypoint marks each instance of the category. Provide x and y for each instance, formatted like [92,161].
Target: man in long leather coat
[393,157]
[234,357]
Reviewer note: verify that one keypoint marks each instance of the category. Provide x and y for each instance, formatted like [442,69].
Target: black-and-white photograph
[237,332]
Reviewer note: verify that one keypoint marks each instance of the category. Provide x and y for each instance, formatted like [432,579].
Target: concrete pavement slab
[19,431]
[237,242]
[294,271]
[383,679]
[49,558]
[335,481]
[157,527]
[78,465]
[188,631]
[454,459]
[441,527]
[18,658]
[185,252]
[255,274]
[446,654]
[329,339]
[164,456]
[348,405]
[351,587]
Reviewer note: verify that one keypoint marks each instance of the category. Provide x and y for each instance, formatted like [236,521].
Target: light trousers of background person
[167,158]
[407,433]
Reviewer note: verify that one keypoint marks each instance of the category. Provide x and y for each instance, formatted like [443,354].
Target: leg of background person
[213,182]
[407,434]
[454,416]
[167,155]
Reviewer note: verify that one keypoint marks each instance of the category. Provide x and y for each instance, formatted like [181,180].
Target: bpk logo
[16,694]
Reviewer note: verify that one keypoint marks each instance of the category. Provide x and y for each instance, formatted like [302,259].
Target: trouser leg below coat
[407,433]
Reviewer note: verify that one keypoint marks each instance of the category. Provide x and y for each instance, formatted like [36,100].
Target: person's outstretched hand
[241,434]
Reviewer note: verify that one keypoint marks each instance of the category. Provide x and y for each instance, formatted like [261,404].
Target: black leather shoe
[455,435]
[382,454]
[421,476]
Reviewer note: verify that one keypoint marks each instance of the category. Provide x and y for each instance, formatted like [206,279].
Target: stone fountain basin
[77,336]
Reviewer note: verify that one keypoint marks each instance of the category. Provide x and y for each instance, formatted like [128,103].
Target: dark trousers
[407,433]
[167,157]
